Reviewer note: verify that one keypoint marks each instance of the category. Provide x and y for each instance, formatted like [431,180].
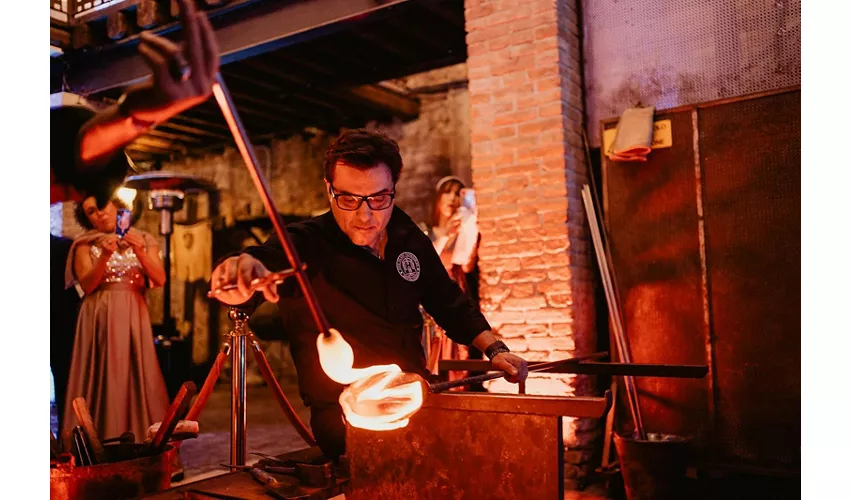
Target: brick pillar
[528,167]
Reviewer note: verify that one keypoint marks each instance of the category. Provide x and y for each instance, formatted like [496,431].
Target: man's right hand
[241,271]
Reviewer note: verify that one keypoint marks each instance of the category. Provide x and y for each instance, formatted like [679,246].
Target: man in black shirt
[370,267]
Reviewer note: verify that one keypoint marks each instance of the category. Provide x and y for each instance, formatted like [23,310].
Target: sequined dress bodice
[122,268]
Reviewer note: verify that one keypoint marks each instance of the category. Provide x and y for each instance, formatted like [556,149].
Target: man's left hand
[513,365]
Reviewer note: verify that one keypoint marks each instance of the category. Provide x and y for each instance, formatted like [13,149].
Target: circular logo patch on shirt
[408,266]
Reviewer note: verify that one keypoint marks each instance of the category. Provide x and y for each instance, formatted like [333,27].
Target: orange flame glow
[378,398]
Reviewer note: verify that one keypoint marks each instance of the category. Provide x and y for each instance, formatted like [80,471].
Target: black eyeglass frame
[368,199]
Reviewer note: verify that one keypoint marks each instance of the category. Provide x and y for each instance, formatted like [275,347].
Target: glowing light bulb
[126,195]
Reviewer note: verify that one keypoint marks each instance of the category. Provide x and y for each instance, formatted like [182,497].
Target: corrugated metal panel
[750,153]
[668,53]
[742,172]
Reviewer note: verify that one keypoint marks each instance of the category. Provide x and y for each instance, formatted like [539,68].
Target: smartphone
[123,221]
[467,201]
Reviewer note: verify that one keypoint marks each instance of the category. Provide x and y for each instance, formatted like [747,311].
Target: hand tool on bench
[320,460]
[274,486]
[316,471]
[206,495]
[313,475]
[286,489]
[88,432]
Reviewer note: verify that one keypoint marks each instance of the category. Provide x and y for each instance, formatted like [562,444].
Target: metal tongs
[272,279]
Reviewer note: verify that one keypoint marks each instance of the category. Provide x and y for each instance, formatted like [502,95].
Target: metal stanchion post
[238,394]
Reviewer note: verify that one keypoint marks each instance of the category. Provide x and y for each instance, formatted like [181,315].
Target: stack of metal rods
[602,257]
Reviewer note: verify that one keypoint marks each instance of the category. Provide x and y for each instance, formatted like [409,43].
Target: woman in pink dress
[114,364]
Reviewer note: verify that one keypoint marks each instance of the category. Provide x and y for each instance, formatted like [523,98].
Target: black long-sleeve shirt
[373,303]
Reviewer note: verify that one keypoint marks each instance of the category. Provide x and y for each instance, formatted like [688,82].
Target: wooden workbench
[241,485]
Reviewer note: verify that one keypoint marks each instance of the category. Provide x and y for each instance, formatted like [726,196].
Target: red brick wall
[528,167]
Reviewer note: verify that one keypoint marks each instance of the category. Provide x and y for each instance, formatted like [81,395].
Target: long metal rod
[592,368]
[243,142]
[238,395]
[602,234]
[444,386]
[600,237]
[614,309]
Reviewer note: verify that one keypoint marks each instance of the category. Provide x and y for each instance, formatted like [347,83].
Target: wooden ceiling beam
[157,143]
[371,99]
[164,134]
[380,46]
[299,90]
[386,101]
[311,117]
[257,28]
[148,150]
[442,11]
[206,124]
[140,153]
[172,125]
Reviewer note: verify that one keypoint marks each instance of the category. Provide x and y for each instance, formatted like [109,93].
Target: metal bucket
[121,478]
[653,469]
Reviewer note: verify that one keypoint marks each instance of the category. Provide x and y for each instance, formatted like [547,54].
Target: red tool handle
[177,409]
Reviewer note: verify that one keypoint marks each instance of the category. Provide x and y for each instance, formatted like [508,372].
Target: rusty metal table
[469,446]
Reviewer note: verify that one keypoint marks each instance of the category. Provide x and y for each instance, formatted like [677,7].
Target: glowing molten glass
[378,398]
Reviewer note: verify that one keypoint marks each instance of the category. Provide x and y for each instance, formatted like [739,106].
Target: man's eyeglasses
[351,202]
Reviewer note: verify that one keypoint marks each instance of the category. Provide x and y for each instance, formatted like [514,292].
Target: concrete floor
[268,429]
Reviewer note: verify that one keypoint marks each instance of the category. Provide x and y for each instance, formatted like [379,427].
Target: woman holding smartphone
[454,233]
[114,363]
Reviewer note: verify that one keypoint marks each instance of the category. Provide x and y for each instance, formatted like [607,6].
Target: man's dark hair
[363,149]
